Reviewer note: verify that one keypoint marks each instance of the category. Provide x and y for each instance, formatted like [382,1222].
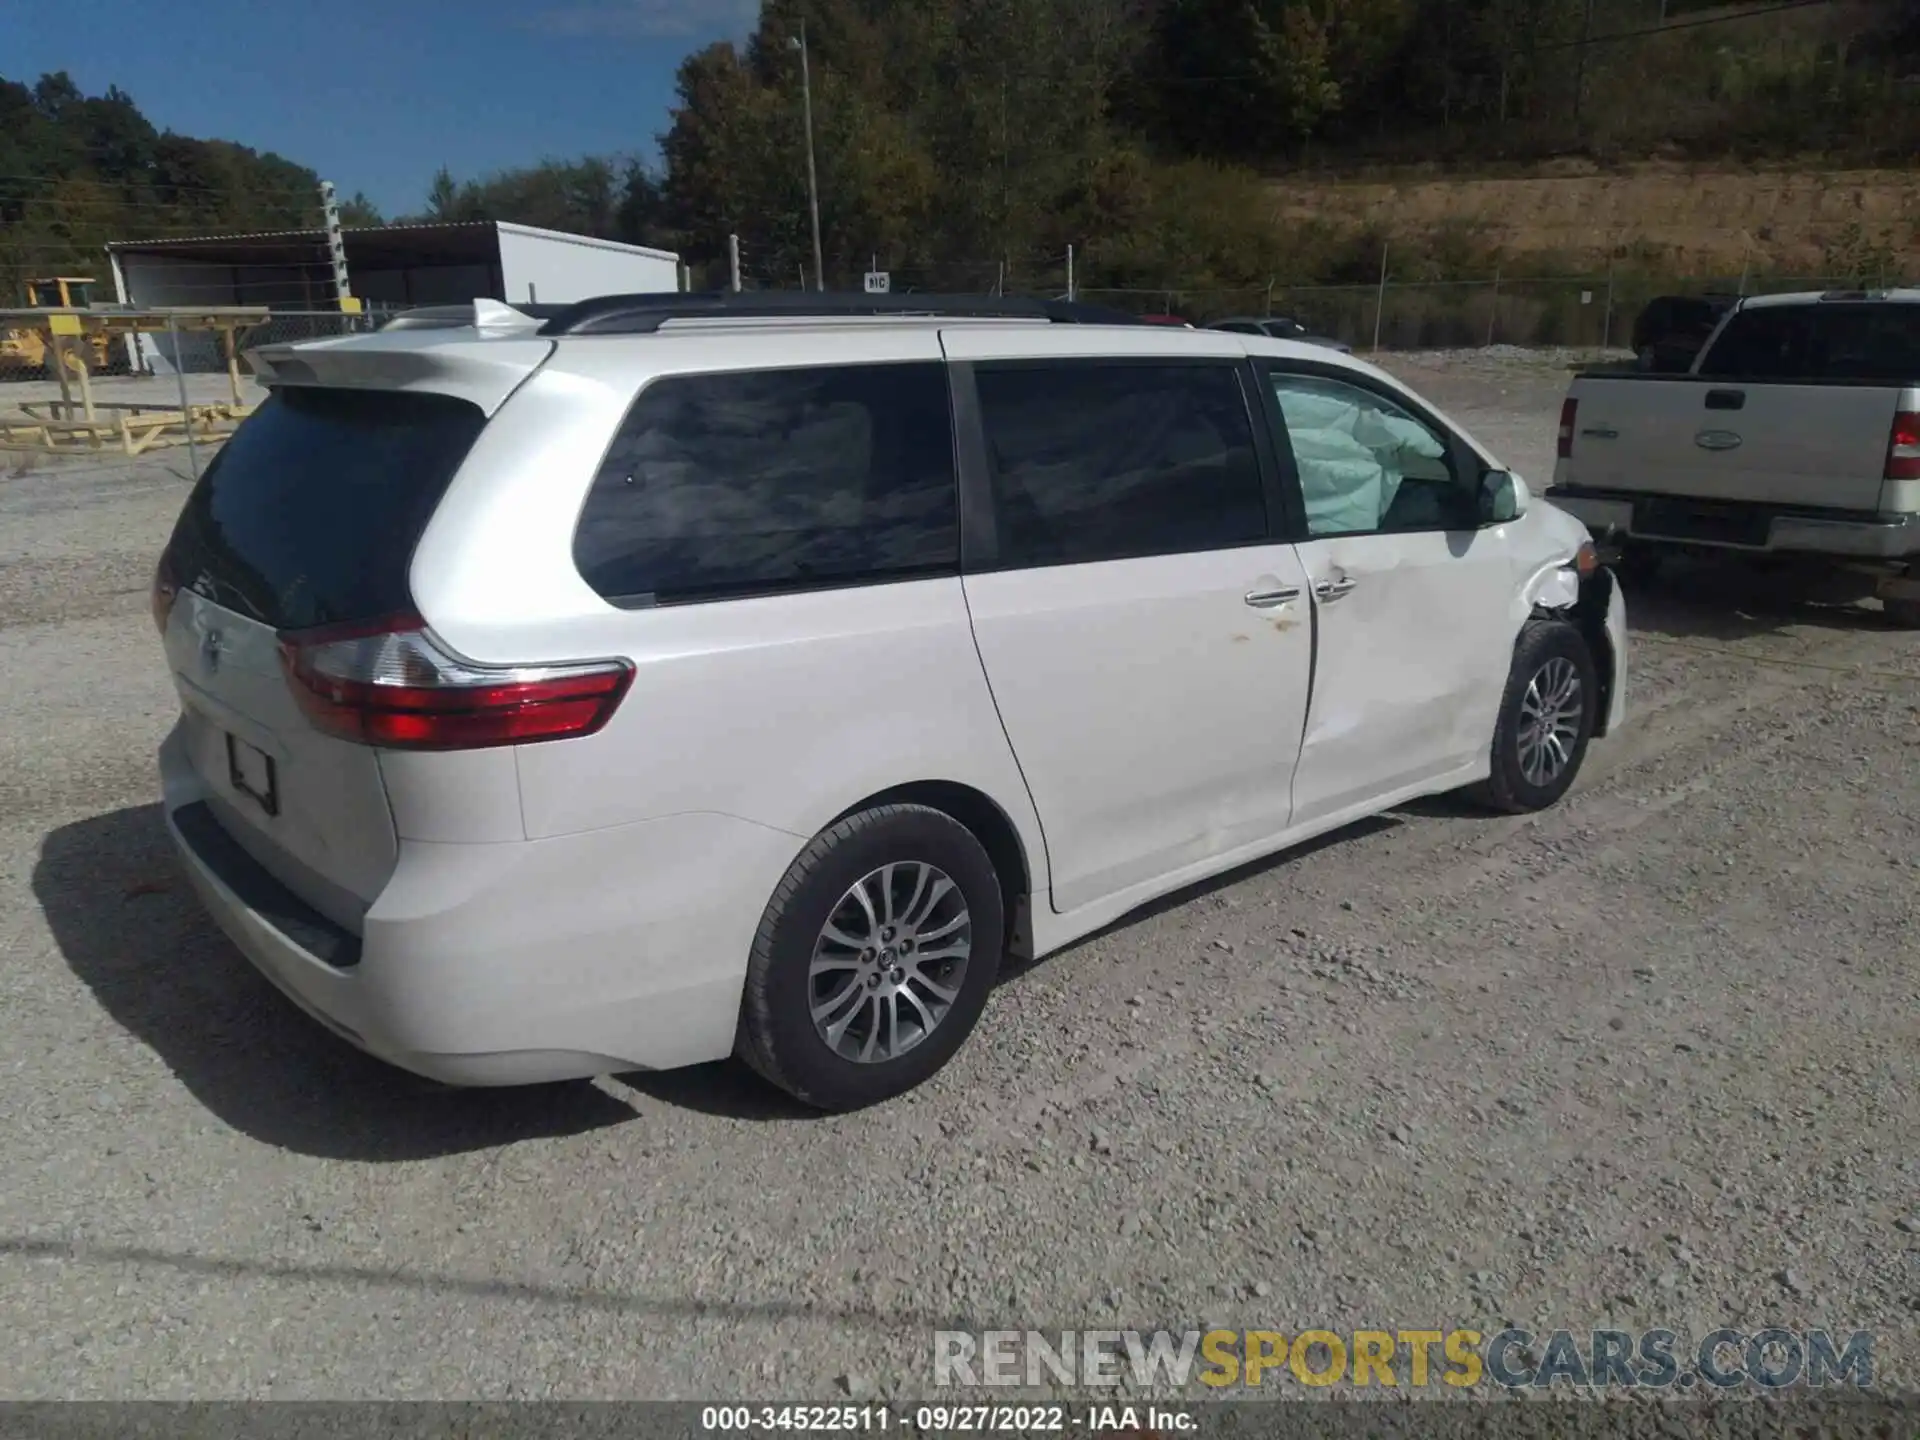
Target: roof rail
[645,314]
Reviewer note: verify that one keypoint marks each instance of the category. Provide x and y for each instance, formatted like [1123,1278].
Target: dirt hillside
[1706,220]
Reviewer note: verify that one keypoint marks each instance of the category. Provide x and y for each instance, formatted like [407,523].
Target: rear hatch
[307,520]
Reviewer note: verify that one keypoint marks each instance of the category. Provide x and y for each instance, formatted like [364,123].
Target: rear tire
[1547,717]
[840,1023]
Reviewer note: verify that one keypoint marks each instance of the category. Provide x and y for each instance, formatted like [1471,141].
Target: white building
[388,266]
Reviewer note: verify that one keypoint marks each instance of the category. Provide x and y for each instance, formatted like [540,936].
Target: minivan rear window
[310,514]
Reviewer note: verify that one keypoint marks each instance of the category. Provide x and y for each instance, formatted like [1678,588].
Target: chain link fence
[1588,312]
[126,382]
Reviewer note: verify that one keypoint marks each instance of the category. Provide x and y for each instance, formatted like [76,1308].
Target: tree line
[968,143]
[78,170]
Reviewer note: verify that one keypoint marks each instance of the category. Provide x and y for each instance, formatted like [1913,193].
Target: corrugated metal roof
[316,235]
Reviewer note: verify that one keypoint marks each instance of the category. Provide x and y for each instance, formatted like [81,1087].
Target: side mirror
[1503,497]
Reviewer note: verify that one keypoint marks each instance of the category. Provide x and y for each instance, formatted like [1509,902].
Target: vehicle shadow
[1737,597]
[129,926]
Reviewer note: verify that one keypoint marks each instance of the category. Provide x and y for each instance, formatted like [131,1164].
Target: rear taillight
[1903,447]
[166,589]
[389,685]
[1569,408]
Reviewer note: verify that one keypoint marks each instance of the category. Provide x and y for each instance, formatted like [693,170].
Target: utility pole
[813,175]
[337,249]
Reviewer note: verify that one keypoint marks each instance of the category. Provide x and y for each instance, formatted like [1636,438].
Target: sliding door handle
[1274,598]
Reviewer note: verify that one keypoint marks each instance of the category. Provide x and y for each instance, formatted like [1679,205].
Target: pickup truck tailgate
[1820,446]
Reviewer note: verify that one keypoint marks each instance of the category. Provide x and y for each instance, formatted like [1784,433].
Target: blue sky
[377,94]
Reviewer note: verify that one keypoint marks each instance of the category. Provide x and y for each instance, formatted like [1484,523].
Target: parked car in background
[1669,331]
[1796,431]
[1280,327]
[1176,320]
[688,676]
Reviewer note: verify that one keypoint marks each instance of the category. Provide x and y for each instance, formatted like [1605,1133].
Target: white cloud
[649,19]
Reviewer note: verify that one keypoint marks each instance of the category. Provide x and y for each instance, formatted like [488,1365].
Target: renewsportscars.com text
[1656,1359]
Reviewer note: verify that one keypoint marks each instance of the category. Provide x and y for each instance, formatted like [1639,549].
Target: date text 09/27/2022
[947,1419]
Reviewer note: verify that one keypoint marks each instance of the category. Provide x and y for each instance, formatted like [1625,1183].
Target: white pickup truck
[1795,432]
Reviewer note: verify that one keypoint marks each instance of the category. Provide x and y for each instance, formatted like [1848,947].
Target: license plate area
[1706,523]
[252,772]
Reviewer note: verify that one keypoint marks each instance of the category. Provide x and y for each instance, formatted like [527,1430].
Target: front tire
[874,958]
[1547,717]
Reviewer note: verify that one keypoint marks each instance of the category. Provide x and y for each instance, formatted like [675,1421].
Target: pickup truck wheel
[1905,614]
[1639,563]
[1546,719]
[874,959]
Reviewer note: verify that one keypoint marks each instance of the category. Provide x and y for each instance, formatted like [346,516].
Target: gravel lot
[1647,1059]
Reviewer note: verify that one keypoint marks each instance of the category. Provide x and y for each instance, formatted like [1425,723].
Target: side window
[1768,343]
[1365,464]
[1867,342]
[757,482]
[1095,460]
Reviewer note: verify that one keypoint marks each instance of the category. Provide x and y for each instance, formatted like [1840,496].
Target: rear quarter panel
[783,710]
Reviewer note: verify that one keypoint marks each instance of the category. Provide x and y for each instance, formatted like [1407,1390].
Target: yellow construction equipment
[23,348]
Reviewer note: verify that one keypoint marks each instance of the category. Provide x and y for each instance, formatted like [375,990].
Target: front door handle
[1328,591]
[1272,598]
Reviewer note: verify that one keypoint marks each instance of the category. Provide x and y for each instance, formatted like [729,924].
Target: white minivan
[675,677]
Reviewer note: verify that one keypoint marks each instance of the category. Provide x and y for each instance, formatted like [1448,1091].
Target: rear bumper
[509,964]
[1610,516]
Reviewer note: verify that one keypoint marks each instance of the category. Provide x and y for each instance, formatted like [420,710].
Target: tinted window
[1762,344]
[742,484]
[1366,464]
[1098,461]
[1867,342]
[310,514]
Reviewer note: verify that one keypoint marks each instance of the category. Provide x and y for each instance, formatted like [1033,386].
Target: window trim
[980,498]
[1460,455]
[638,604]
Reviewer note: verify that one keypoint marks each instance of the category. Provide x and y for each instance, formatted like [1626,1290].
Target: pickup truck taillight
[1568,410]
[1903,447]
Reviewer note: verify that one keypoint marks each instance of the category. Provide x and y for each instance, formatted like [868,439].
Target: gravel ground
[1647,1059]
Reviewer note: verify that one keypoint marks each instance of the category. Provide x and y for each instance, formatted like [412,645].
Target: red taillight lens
[389,685]
[1903,447]
[1568,410]
[166,590]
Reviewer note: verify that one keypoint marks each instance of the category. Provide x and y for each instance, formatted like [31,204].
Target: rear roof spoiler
[486,316]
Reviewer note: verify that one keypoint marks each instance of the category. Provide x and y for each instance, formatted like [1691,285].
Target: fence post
[1606,333]
[1070,289]
[733,263]
[1493,315]
[1380,300]
[186,411]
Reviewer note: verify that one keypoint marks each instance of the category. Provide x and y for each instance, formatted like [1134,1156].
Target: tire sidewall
[1540,643]
[806,1064]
